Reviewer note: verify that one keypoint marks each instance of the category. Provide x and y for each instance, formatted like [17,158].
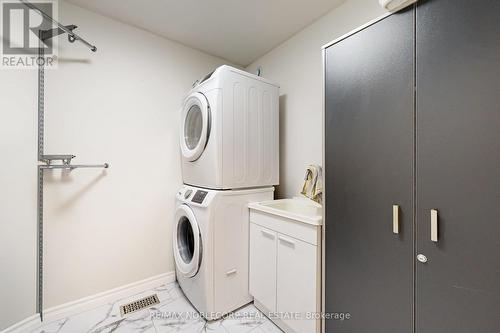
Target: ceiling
[239,31]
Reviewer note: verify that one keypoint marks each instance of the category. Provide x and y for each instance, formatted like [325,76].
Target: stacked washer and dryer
[229,140]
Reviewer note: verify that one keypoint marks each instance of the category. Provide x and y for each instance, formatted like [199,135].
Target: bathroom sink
[299,209]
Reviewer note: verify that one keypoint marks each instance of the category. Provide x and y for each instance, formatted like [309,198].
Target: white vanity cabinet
[285,268]
[263,259]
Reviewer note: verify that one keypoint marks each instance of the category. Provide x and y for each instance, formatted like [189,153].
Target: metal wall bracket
[65,159]
[48,34]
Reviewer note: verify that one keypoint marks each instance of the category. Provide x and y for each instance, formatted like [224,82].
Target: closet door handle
[395,219]
[434,225]
[267,233]
[287,241]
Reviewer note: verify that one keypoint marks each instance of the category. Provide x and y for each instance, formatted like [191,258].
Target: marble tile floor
[173,314]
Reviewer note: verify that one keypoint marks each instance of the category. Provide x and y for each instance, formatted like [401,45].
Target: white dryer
[210,239]
[229,133]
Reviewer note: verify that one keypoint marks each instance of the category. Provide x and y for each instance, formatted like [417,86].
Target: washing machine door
[187,242]
[195,126]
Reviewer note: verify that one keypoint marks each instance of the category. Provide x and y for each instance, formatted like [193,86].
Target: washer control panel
[199,196]
[195,196]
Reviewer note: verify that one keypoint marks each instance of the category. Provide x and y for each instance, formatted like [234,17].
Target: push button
[422,258]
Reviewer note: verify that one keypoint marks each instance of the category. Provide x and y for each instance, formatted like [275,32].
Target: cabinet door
[458,166]
[368,169]
[263,266]
[297,288]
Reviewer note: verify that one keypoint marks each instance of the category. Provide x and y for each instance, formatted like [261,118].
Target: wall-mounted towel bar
[74,166]
[66,163]
[72,37]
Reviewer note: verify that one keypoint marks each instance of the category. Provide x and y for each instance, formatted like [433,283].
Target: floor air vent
[143,303]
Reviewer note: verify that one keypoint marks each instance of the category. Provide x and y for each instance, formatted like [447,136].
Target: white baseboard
[91,302]
[25,325]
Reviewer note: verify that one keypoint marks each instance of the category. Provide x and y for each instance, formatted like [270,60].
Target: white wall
[18,175]
[103,229]
[297,66]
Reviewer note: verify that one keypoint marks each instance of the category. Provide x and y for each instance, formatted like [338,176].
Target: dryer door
[195,126]
[187,242]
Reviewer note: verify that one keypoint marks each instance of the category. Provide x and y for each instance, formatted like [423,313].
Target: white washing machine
[229,133]
[210,239]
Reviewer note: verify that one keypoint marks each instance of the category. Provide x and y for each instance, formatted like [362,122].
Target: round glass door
[187,242]
[195,126]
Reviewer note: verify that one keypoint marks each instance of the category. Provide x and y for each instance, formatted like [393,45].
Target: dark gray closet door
[368,169]
[458,165]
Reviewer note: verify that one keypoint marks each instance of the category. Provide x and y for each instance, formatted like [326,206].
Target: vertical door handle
[434,225]
[395,219]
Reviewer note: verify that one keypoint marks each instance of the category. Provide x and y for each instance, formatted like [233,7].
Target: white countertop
[298,209]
